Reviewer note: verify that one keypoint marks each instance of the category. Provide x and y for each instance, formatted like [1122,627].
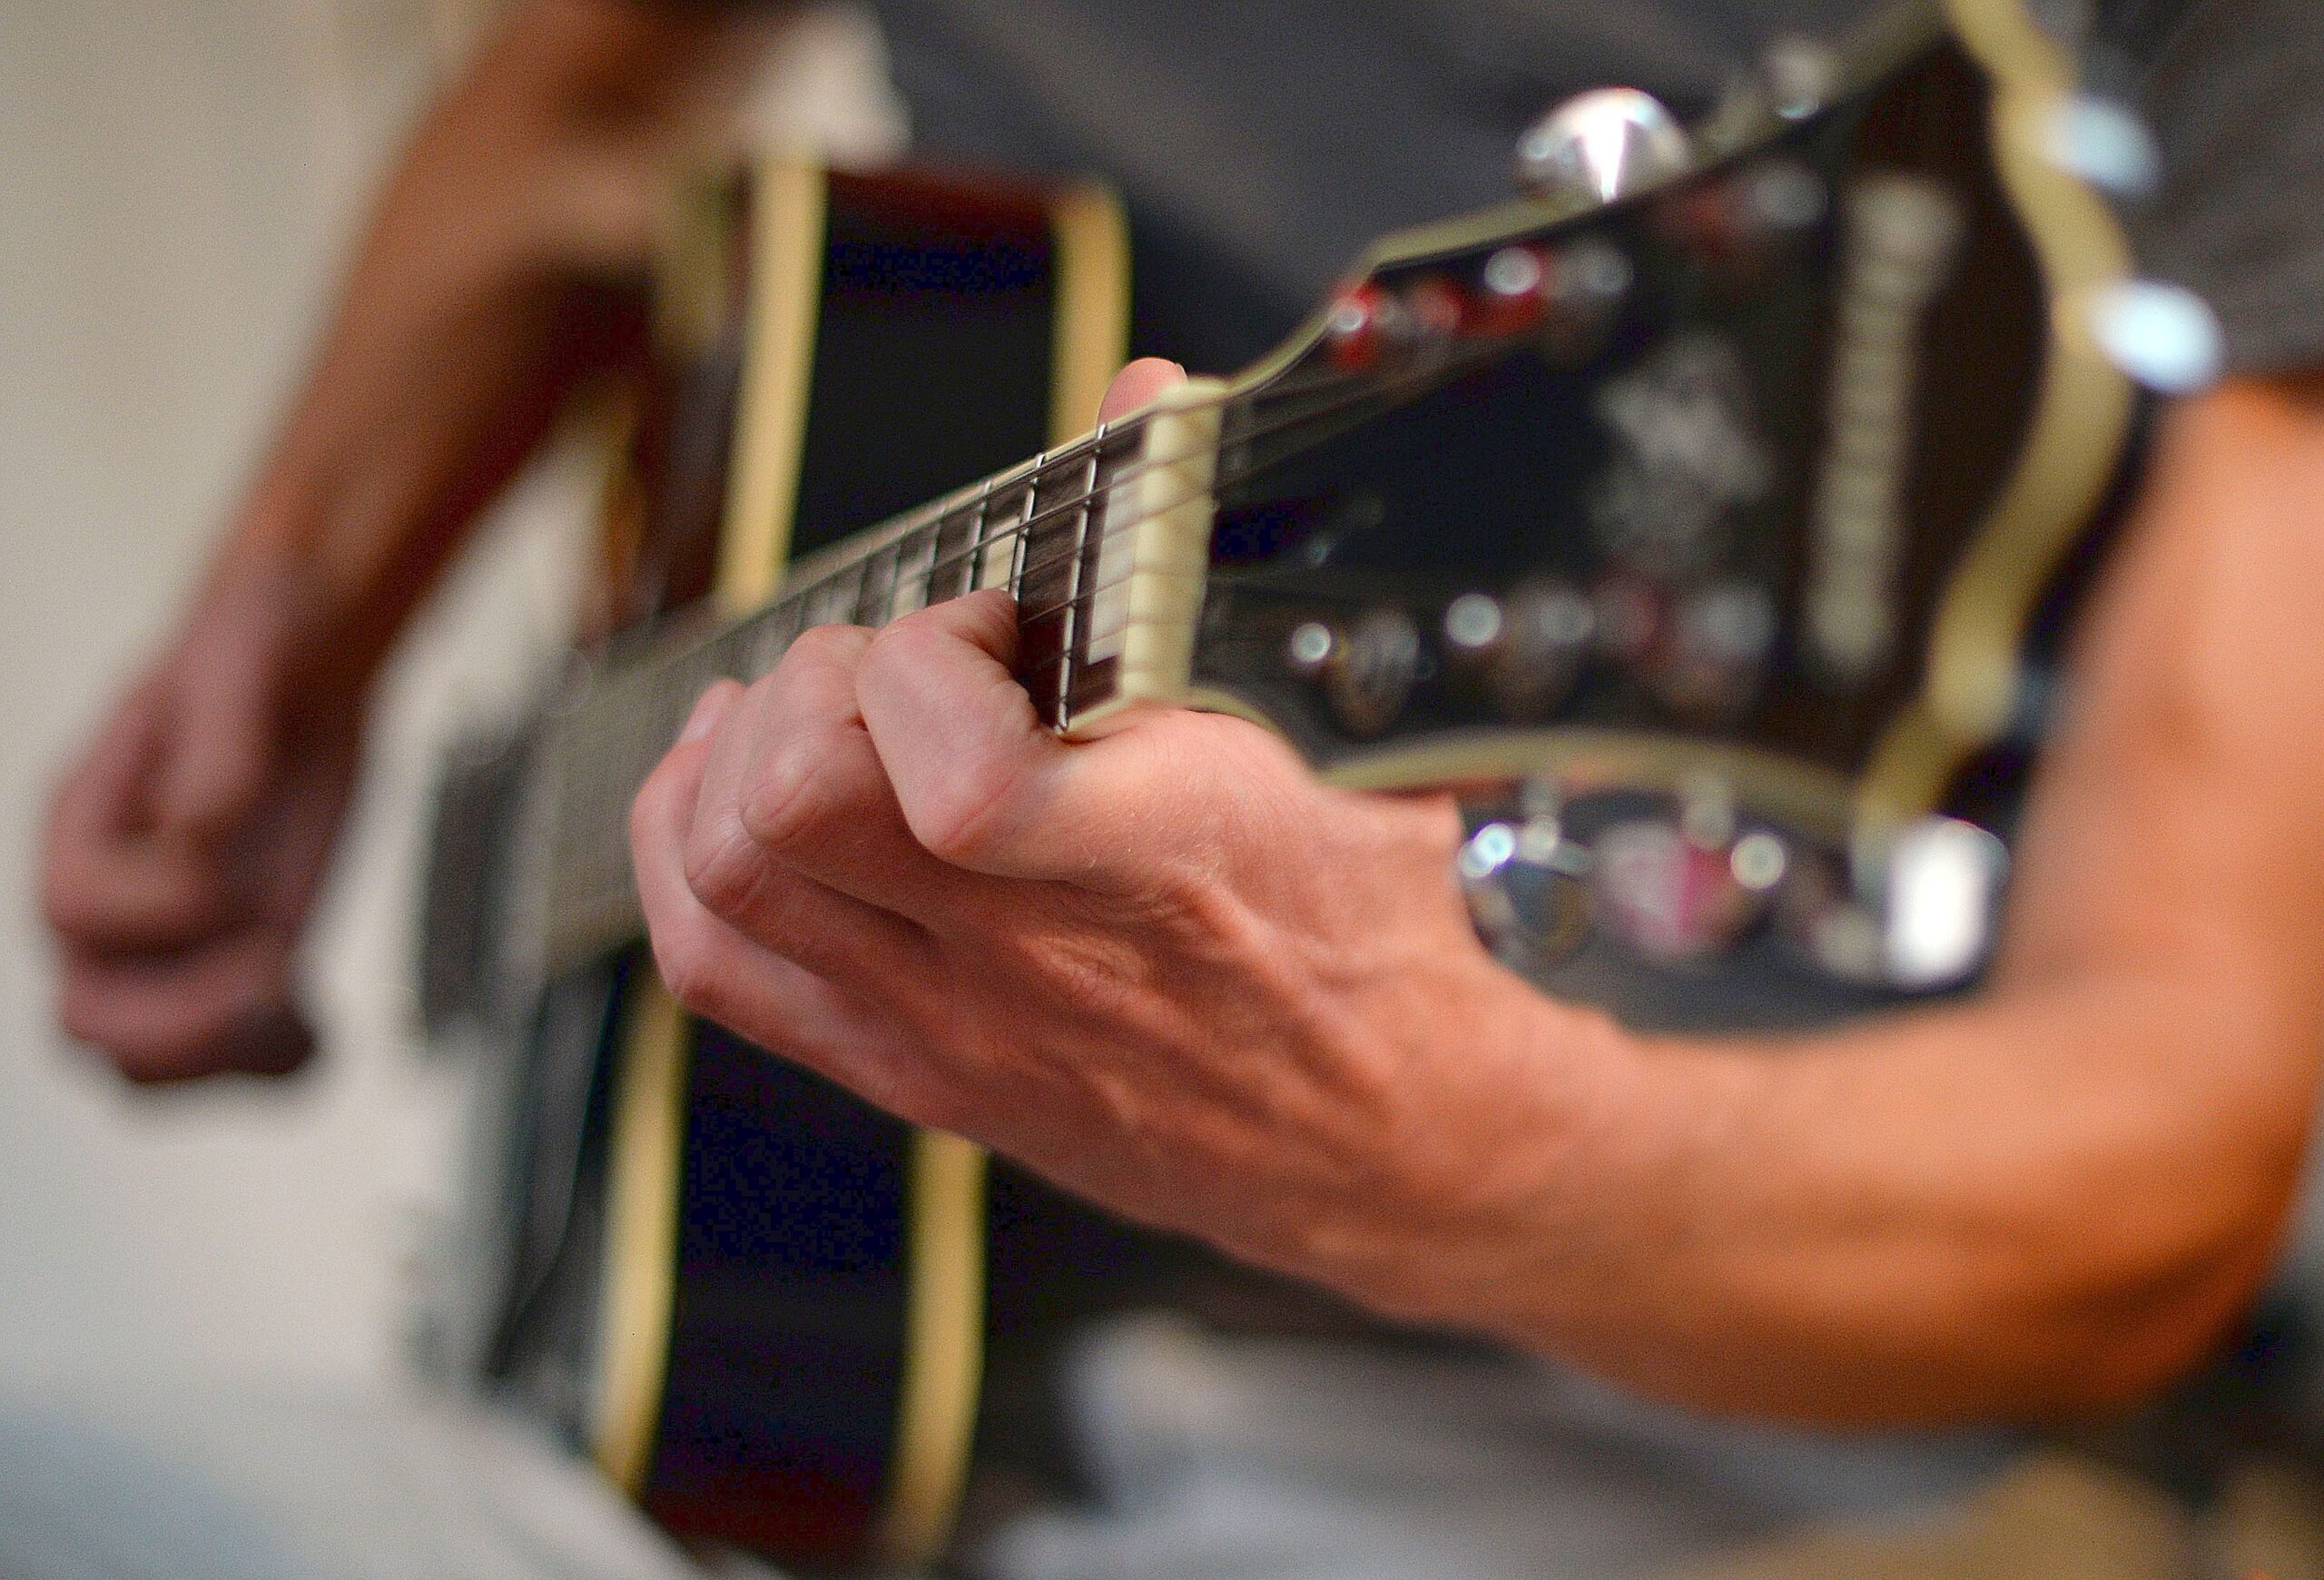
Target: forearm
[504,263]
[2051,1195]
[2047,1200]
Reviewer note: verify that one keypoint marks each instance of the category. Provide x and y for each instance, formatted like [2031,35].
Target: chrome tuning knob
[1601,146]
[1524,879]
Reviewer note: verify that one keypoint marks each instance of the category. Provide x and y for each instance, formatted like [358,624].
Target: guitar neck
[1053,531]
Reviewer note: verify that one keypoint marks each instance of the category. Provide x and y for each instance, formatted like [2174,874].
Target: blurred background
[178,183]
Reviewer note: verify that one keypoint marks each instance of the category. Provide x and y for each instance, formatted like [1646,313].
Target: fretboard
[1048,530]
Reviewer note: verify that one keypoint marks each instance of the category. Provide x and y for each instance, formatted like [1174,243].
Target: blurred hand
[185,849]
[1168,967]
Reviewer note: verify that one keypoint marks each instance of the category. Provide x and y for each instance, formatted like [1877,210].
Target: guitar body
[755,1300]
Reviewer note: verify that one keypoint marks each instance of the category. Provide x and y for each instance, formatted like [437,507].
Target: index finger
[982,783]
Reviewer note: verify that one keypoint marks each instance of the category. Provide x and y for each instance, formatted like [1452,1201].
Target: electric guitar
[1722,499]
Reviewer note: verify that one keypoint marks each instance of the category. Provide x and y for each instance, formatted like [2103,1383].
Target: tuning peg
[2164,336]
[1601,146]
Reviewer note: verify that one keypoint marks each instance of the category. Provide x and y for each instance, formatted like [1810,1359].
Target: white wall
[176,180]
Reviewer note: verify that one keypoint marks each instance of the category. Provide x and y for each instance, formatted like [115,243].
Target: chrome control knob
[1525,879]
[1919,912]
[1600,146]
[1524,651]
[1370,670]
[1715,652]
[1548,631]
[1675,889]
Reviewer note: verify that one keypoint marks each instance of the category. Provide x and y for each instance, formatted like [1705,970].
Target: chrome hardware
[1716,648]
[1920,914]
[1514,274]
[1368,676]
[1523,652]
[1309,646]
[2106,144]
[2164,336]
[1514,292]
[1681,887]
[1758,861]
[1435,307]
[1472,622]
[1629,614]
[1686,883]
[1940,895]
[1542,635]
[1800,75]
[1362,322]
[1780,196]
[1523,881]
[1600,146]
[1591,276]
[1667,896]
[1583,288]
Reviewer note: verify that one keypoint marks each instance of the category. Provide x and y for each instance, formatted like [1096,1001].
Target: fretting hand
[1168,967]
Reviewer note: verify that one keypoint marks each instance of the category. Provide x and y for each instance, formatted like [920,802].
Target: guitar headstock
[1742,505]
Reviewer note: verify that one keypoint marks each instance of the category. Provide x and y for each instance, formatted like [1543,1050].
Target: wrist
[1508,1197]
[306,626]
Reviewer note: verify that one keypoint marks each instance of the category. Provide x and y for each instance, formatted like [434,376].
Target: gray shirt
[1261,145]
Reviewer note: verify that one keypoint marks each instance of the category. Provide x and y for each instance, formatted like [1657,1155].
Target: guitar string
[928,517]
[626,741]
[801,599]
[636,737]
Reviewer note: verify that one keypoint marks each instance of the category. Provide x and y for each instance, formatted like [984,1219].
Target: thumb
[1136,384]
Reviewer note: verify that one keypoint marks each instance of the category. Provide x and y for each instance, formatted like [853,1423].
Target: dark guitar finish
[1732,523]
[761,1403]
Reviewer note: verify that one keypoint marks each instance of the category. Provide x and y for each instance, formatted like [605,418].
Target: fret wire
[607,738]
[1073,586]
[978,497]
[984,538]
[875,608]
[791,615]
[921,573]
[1021,535]
[1245,407]
[976,550]
[956,529]
[1145,464]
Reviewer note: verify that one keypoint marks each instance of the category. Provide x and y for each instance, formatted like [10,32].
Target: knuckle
[722,866]
[963,820]
[822,646]
[62,908]
[682,957]
[781,804]
[145,1065]
[170,1051]
[902,654]
[898,640]
[78,1020]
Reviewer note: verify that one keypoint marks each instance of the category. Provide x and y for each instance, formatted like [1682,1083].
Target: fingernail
[708,709]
